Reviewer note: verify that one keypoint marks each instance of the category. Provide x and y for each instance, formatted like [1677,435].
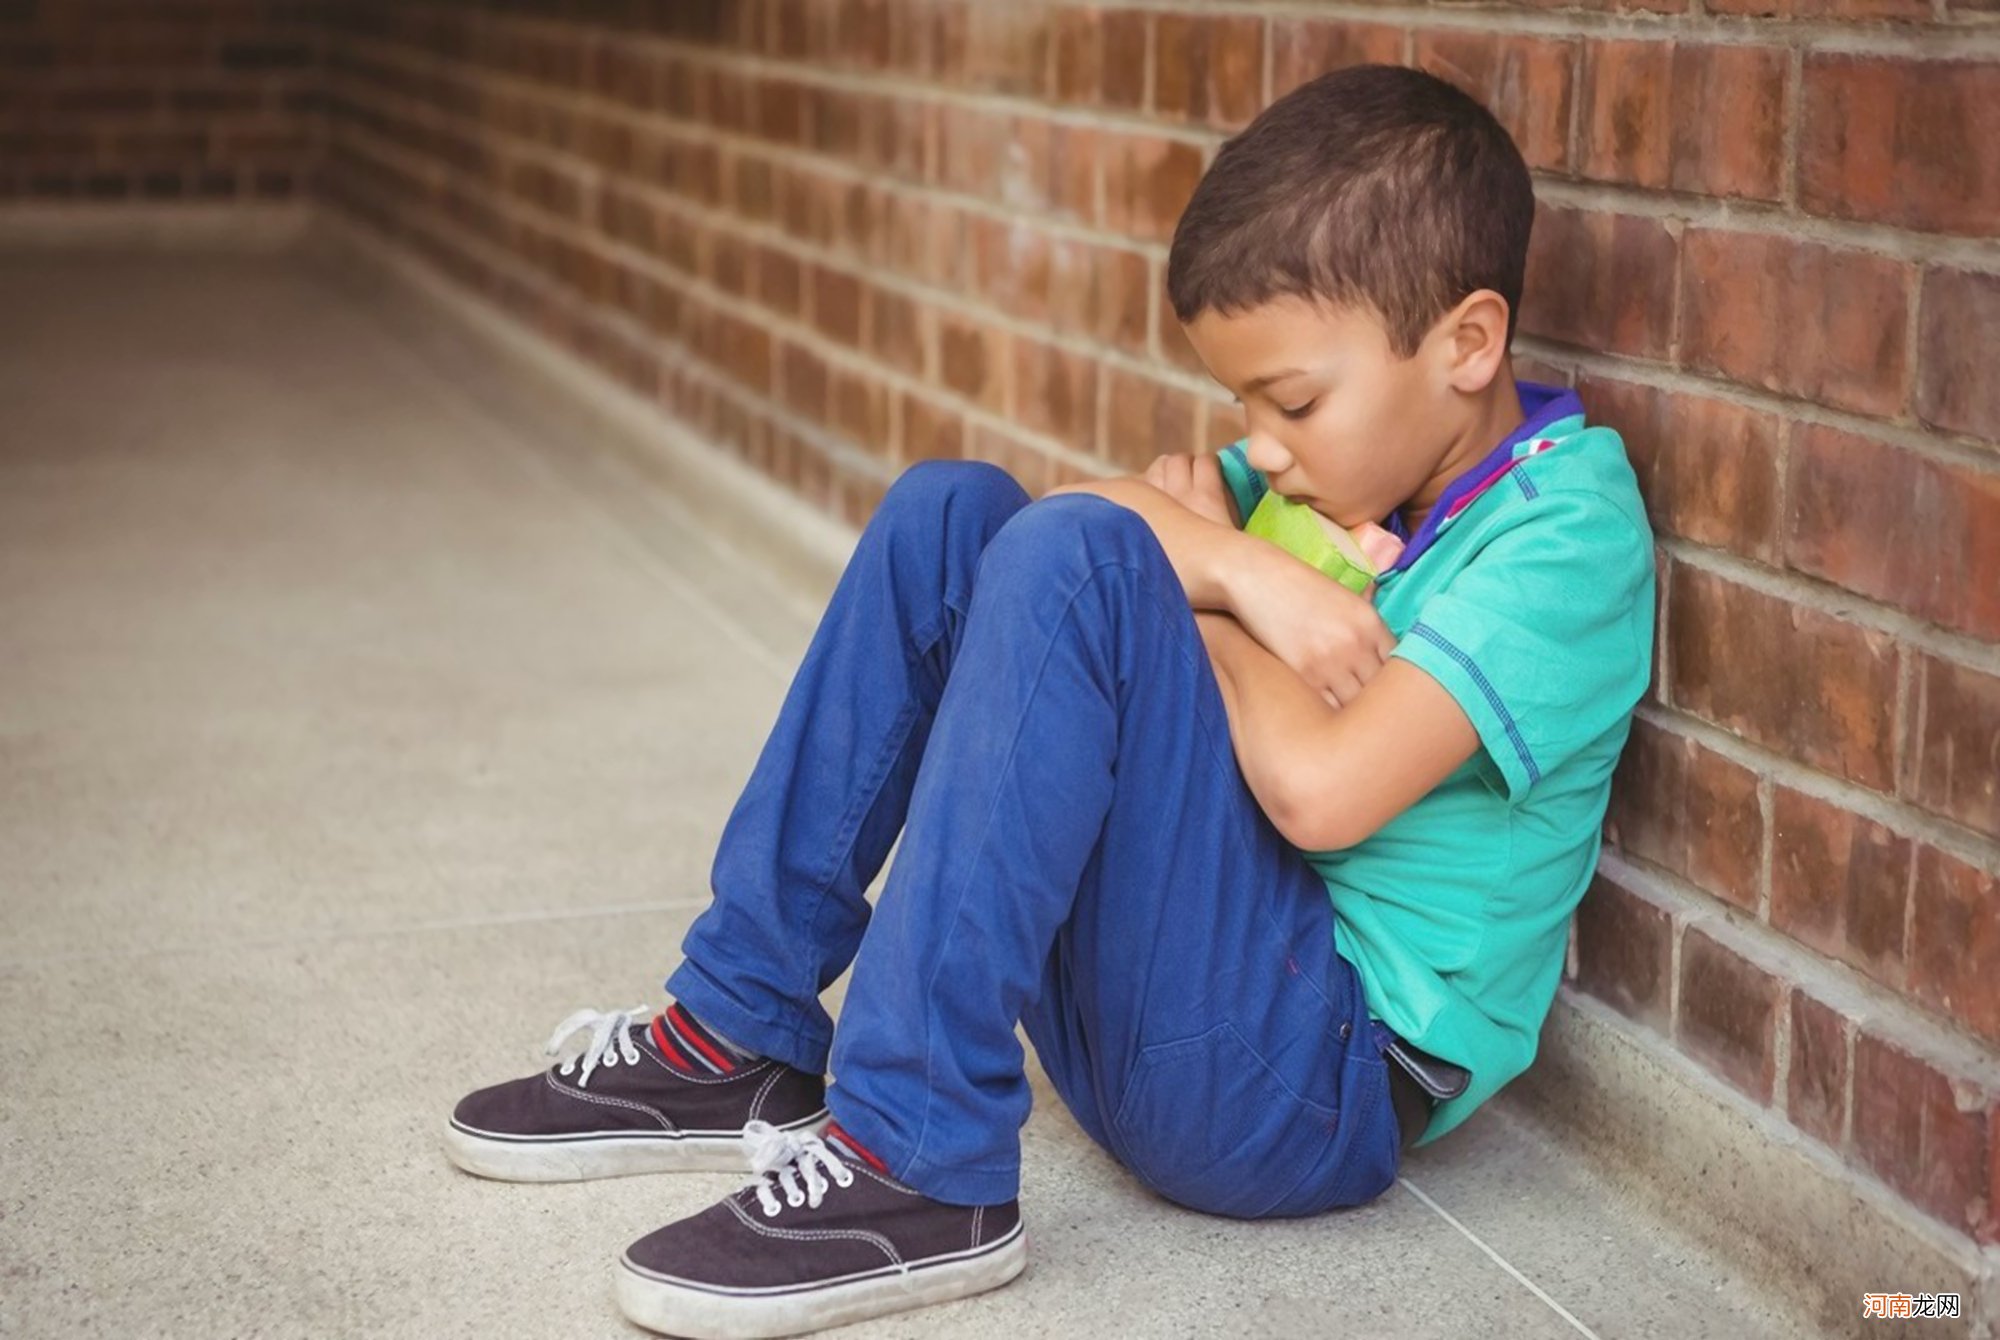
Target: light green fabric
[1534,610]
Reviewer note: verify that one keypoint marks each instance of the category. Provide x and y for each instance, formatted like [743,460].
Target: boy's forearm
[1211,559]
[1271,711]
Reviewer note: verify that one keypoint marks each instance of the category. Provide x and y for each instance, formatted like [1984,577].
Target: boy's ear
[1474,341]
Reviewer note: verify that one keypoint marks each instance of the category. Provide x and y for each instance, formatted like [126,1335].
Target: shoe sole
[709,1312]
[506,1158]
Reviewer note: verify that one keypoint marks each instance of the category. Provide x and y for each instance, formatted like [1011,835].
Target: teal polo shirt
[1528,594]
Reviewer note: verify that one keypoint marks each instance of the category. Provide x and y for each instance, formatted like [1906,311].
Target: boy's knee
[1069,526]
[929,487]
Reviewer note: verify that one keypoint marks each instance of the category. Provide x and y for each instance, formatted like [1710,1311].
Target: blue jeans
[1022,684]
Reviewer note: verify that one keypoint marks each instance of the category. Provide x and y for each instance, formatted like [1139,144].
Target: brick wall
[107,100]
[836,236]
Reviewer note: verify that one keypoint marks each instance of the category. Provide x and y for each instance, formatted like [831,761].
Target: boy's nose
[1266,455]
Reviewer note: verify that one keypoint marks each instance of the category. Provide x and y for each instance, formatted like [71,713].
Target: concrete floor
[359,719]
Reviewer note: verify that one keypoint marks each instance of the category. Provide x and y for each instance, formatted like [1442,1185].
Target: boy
[1263,870]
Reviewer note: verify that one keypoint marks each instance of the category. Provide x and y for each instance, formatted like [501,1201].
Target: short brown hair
[1375,186]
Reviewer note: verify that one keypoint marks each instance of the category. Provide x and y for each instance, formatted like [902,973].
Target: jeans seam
[1013,746]
[898,736]
[850,829]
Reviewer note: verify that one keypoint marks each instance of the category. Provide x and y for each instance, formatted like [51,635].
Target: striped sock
[837,1136]
[693,1047]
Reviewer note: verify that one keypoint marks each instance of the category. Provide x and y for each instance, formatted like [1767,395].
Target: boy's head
[1350,267]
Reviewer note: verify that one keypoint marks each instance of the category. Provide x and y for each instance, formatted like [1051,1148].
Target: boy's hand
[1330,637]
[1195,482]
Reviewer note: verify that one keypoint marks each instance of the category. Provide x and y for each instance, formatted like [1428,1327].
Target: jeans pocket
[1207,1123]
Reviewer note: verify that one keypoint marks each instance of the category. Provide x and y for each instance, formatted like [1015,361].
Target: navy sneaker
[644,1096]
[824,1236]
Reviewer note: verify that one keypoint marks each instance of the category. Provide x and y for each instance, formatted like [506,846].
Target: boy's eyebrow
[1260,382]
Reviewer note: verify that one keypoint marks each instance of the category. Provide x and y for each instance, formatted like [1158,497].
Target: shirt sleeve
[1545,636]
[1246,483]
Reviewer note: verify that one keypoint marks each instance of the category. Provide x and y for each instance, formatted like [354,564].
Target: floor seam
[1498,1259]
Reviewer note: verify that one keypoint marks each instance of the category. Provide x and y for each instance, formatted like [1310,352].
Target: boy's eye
[1301,411]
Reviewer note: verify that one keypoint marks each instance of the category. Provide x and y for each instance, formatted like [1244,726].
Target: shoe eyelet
[770,1214]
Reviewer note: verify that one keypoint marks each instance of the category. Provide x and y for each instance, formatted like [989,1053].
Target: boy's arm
[1328,777]
[1207,557]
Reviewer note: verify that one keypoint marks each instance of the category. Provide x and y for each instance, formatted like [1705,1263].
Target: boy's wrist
[1244,564]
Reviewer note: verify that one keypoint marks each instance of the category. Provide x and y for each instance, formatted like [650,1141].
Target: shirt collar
[1543,404]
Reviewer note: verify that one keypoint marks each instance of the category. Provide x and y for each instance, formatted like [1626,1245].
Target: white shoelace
[610,1040]
[781,1158]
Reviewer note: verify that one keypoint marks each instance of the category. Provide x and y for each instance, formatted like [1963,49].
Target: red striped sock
[693,1048]
[837,1135]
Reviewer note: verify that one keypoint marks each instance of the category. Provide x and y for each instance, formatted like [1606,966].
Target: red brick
[947,41]
[780,281]
[1121,283]
[1070,185]
[1601,281]
[1125,55]
[1839,883]
[1958,330]
[1304,49]
[1798,318]
[728,264]
[1790,678]
[1955,941]
[973,360]
[858,409]
[1055,393]
[745,351]
[1625,130]
[1010,267]
[1836,9]
[927,241]
[1147,182]
[802,376]
[1901,142]
[1208,68]
[1727,110]
[828,123]
[1524,80]
[930,430]
[1899,527]
[1816,1087]
[1925,1132]
[894,137]
[972,145]
[752,194]
[1955,768]
[836,305]
[1728,1013]
[1146,419]
[1027,463]
[1078,62]
[1007,48]
[896,331]
[1708,469]
[1689,810]
[1072,284]
[1624,952]
[863,33]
